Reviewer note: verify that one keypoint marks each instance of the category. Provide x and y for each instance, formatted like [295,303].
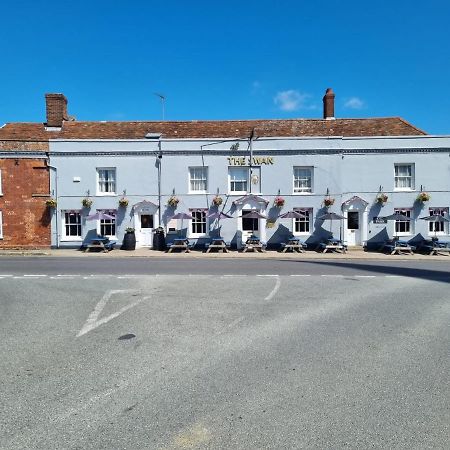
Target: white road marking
[92,322]
[299,275]
[275,289]
[68,275]
[275,275]
[364,276]
[3,275]
[333,276]
[35,275]
[228,276]
[392,276]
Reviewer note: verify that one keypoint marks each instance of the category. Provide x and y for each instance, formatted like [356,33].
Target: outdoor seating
[397,247]
[331,245]
[181,244]
[293,244]
[217,244]
[433,247]
[254,244]
[99,243]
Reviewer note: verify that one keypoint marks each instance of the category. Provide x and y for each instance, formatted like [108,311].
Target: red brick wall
[26,218]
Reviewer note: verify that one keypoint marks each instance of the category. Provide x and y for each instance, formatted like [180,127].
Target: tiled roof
[391,126]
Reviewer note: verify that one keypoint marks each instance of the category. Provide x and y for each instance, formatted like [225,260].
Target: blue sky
[227,60]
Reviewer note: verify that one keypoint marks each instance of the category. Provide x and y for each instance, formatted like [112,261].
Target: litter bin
[159,240]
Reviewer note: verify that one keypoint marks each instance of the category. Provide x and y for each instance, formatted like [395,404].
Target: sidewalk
[353,253]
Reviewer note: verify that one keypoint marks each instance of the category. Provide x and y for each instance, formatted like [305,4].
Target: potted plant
[328,201]
[123,202]
[382,198]
[87,202]
[423,197]
[173,201]
[51,202]
[129,239]
[217,200]
[278,201]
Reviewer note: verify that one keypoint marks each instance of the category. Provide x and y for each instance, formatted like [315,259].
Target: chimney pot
[56,106]
[328,104]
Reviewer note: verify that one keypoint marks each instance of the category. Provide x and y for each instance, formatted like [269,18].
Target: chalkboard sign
[379,220]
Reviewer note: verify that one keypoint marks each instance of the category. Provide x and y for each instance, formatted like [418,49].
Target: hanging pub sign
[256,161]
[379,220]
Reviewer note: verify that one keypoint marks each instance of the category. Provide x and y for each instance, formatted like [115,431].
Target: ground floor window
[440,227]
[303,225]
[248,223]
[403,226]
[71,224]
[108,226]
[198,222]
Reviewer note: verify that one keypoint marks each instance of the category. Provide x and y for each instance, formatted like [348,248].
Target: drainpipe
[55,169]
[159,181]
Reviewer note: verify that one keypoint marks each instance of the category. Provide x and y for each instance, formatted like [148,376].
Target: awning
[251,198]
[355,199]
[144,205]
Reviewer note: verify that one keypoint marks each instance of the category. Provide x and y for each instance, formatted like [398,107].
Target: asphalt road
[223,355]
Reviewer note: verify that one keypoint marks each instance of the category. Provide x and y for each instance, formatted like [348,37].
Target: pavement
[352,253]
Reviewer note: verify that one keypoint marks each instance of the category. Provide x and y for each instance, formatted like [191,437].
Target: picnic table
[254,244]
[217,244]
[293,244]
[398,247]
[332,245]
[434,247]
[179,244]
[100,243]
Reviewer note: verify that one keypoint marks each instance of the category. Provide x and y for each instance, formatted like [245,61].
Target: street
[213,354]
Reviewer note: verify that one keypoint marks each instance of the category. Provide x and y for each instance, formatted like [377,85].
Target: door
[353,229]
[145,230]
[249,225]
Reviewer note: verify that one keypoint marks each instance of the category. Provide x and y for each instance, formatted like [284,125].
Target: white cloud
[292,100]
[354,103]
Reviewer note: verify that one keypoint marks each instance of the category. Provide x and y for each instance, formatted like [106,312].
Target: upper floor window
[198,179]
[199,221]
[403,227]
[71,225]
[106,180]
[303,225]
[1,192]
[404,176]
[240,180]
[303,179]
[1,224]
[440,227]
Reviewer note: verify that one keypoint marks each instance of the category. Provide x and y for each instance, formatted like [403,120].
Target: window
[106,181]
[248,223]
[71,225]
[1,224]
[198,179]
[303,225]
[403,227]
[404,176]
[303,179]
[108,226]
[1,192]
[198,222]
[238,179]
[440,227]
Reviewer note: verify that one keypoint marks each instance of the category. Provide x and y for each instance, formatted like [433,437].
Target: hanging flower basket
[173,201]
[382,199]
[51,202]
[329,201]
[123,202]
[87,202]
[423,197]
[217,200]
[279,202]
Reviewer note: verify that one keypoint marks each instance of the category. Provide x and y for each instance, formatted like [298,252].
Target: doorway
[249,226]
[144,231]
[353,228]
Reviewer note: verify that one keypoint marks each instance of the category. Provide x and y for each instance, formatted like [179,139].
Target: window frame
[303,192]
[1,184]
[432,225]
[299,221]
[195,222]
[407,212]
[396,177]
[205,179]
[99,223]
[247,181]
[106,193]
[1,224]
[64,236]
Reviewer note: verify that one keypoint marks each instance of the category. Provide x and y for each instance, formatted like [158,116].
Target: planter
[129,241]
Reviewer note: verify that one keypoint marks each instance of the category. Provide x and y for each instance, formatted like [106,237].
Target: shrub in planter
[423,197]
[87,202]
[382,198]
[279,202]
[217,200]
[173,201]
[329,201]
[51,202]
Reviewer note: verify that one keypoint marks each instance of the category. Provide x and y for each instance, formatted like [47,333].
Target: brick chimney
[328,104]
[56,109]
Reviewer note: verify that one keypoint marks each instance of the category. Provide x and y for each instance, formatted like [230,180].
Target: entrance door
[353,229]
[249,226]
[145,230]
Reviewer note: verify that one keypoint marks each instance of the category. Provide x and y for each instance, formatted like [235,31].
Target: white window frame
[1,189]
[99,224]
[1,224]
[193,221]
[309,221]
[397,177]
[107,193]
[64,236]
[247,181]
[203,179]
[405,212]
[303,191]
[431,225]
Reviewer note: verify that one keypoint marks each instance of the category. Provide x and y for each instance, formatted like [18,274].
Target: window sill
[404,190]
[66,239]
[302,193]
